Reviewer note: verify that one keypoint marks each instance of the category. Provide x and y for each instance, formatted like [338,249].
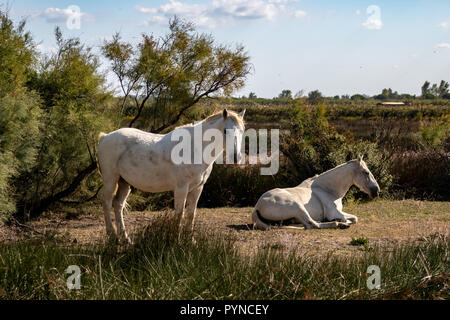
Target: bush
[313,146]
[19,111]
[74,103]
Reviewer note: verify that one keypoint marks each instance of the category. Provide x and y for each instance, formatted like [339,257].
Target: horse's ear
[360,158]
[242,113]
[225,114]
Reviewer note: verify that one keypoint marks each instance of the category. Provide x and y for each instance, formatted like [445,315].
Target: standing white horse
[131,157]
[316,202]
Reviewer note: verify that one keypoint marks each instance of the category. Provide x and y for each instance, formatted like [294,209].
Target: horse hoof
[342,225]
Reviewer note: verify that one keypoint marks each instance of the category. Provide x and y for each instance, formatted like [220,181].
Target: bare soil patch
[383,222]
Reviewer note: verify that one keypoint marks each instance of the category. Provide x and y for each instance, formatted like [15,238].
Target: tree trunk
[45,203]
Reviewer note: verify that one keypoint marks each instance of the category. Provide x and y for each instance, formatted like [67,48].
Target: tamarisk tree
[162,77]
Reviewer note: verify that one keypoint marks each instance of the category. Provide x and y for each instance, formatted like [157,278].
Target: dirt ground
[383,222]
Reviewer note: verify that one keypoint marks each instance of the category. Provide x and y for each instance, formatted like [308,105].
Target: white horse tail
[100,137]
[260,223]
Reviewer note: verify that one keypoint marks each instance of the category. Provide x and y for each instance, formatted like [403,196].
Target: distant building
[392,104]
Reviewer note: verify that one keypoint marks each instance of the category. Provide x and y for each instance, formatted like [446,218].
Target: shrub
[313,146]
[359,241]
[19,111]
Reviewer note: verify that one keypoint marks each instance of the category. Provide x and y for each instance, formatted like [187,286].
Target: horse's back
[279,204]
[114,145]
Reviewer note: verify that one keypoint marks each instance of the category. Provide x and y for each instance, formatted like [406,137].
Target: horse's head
[364,179]
[234,130]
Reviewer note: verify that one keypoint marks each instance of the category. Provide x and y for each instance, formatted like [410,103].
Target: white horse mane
[231,114]
[332,169]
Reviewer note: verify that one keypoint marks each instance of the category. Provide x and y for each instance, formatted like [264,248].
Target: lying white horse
[131,157]
[316,202]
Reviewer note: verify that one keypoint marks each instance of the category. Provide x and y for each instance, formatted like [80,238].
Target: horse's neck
[337,181]
[212,124]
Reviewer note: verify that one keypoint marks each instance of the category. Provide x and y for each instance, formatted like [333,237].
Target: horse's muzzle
[374,192]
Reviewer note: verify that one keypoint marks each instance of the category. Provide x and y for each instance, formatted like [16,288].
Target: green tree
[358,97]
[434,89]
[74,102]
[443,88]
[19,110]
[252,95]
[315,97]
[426,88]
[162,78]
[285,94]
[299,94]
[313,146]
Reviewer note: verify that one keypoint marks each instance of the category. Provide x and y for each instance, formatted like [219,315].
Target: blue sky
[338,47]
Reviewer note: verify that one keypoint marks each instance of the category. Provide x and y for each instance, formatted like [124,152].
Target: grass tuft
[162,265]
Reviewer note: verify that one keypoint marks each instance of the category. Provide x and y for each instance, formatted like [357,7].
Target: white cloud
[444,25]
[146,10]
[300,14]
[219,12]
[245,9]
[443,45]
[57,15]
[358,12]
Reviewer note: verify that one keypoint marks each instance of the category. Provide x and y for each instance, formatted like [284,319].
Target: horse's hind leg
[109,188]
[119,203]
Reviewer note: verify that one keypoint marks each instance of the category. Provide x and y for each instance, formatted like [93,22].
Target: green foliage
[435,91]
[166,76]
[19,111]
[429,96]
[359,241]
[252,95]
[310,142]
[313,146]
[74,100]
[239,186]
[16,54]
[19,134]
[358,97]
[434,134]
[285,94]
[315,97]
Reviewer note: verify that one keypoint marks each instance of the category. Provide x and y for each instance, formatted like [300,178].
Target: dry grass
[383,222]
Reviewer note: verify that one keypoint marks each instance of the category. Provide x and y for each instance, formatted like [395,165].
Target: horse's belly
[283,204]
[148,182]
[146,176]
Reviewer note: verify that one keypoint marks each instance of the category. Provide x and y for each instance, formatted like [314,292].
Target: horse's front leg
[336,215]
[191,208]
[351,219]
[180,195]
